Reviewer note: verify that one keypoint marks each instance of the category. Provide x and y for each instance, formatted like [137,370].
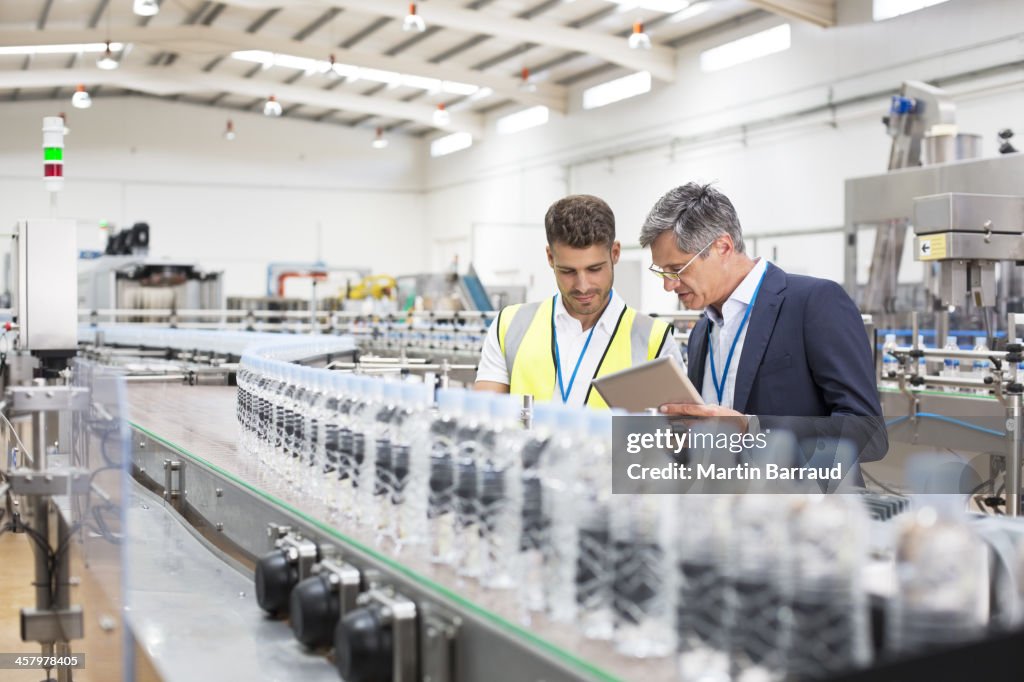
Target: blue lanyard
[720,388]
[558,360]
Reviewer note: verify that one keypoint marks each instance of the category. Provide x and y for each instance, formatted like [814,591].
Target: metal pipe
[964,354]
[154,378]
[40,513]
[938,380]
[1013,455]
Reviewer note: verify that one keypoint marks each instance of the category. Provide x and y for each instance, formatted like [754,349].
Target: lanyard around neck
[720,387]
[565,392]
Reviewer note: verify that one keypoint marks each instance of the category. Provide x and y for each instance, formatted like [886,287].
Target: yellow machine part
[374,286]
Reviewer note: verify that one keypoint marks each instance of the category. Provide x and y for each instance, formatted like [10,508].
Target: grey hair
[697,214]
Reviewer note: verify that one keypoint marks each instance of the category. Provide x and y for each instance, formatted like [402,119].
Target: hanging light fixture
[107,61]
[441,116]
[413,21]
[272,107]
[379,141]
[229,130]
[638,39]
[146,8]
[81,99]
[332,70]
[526,84]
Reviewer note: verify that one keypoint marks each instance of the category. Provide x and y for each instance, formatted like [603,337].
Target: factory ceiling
[359,63]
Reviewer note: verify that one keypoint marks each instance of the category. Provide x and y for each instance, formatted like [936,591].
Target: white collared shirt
[723,331]
[571,339]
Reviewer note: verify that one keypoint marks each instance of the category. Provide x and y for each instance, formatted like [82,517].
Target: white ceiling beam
[659,61]
[207,40]
[177,81]
[818,12]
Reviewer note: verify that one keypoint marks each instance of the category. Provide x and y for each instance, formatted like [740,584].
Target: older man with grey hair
[769,343]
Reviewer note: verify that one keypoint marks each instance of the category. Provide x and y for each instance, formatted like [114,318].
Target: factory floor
[101,647]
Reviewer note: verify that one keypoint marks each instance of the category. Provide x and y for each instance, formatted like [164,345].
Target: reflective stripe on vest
[524,336]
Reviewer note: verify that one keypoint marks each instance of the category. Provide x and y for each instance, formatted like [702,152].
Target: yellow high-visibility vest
[525,338]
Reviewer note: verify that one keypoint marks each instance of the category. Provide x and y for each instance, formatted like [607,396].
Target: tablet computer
[651,384]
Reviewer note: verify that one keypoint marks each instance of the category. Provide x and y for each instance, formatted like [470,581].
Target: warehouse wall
[284,190]
[739,127]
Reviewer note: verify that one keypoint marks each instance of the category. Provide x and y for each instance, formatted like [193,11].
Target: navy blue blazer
[806,354]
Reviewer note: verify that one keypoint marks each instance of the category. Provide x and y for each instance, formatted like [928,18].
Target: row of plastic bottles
[431,334]
[951,367]
[765,586]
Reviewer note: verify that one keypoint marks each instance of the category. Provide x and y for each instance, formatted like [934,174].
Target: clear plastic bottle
[830,612]
[704,606]
[922,363]
[242,380]
[286,423]
[642,534]
[942,571]
[951,366]
[890,364]
[443,452]
[407,522]
[264,414]
[254,378]
[474,440]
[380,449]
[305,435]
[276,449]
[300,409]
[315,421]
[363,466]
[325,469]
[342,456]
[500,495]
[348,460]
[980,367]
[578,564]
[538,452]
[761,563]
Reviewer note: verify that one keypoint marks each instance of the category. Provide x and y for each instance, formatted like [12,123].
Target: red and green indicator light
[53,153]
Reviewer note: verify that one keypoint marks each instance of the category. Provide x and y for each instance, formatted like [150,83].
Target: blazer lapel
[759,332]
[697,352]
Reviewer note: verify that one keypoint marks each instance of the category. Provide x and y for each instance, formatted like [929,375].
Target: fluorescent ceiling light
[450,144]
[746,49]
[480,94]
[70,48]
[887,9]
[390,78]
[667,6]
[617,90]
[690,12]
[523,120]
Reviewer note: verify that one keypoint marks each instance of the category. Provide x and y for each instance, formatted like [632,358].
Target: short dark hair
[580,221]
[697,214]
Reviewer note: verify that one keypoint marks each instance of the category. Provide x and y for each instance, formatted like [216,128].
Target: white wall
[284,190]
[786,175]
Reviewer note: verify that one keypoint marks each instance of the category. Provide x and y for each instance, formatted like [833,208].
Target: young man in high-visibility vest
[552,349]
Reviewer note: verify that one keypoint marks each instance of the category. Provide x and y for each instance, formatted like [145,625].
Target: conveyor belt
[196,616]
[200,420]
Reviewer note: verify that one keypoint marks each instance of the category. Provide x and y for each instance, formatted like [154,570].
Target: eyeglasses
[675,276]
